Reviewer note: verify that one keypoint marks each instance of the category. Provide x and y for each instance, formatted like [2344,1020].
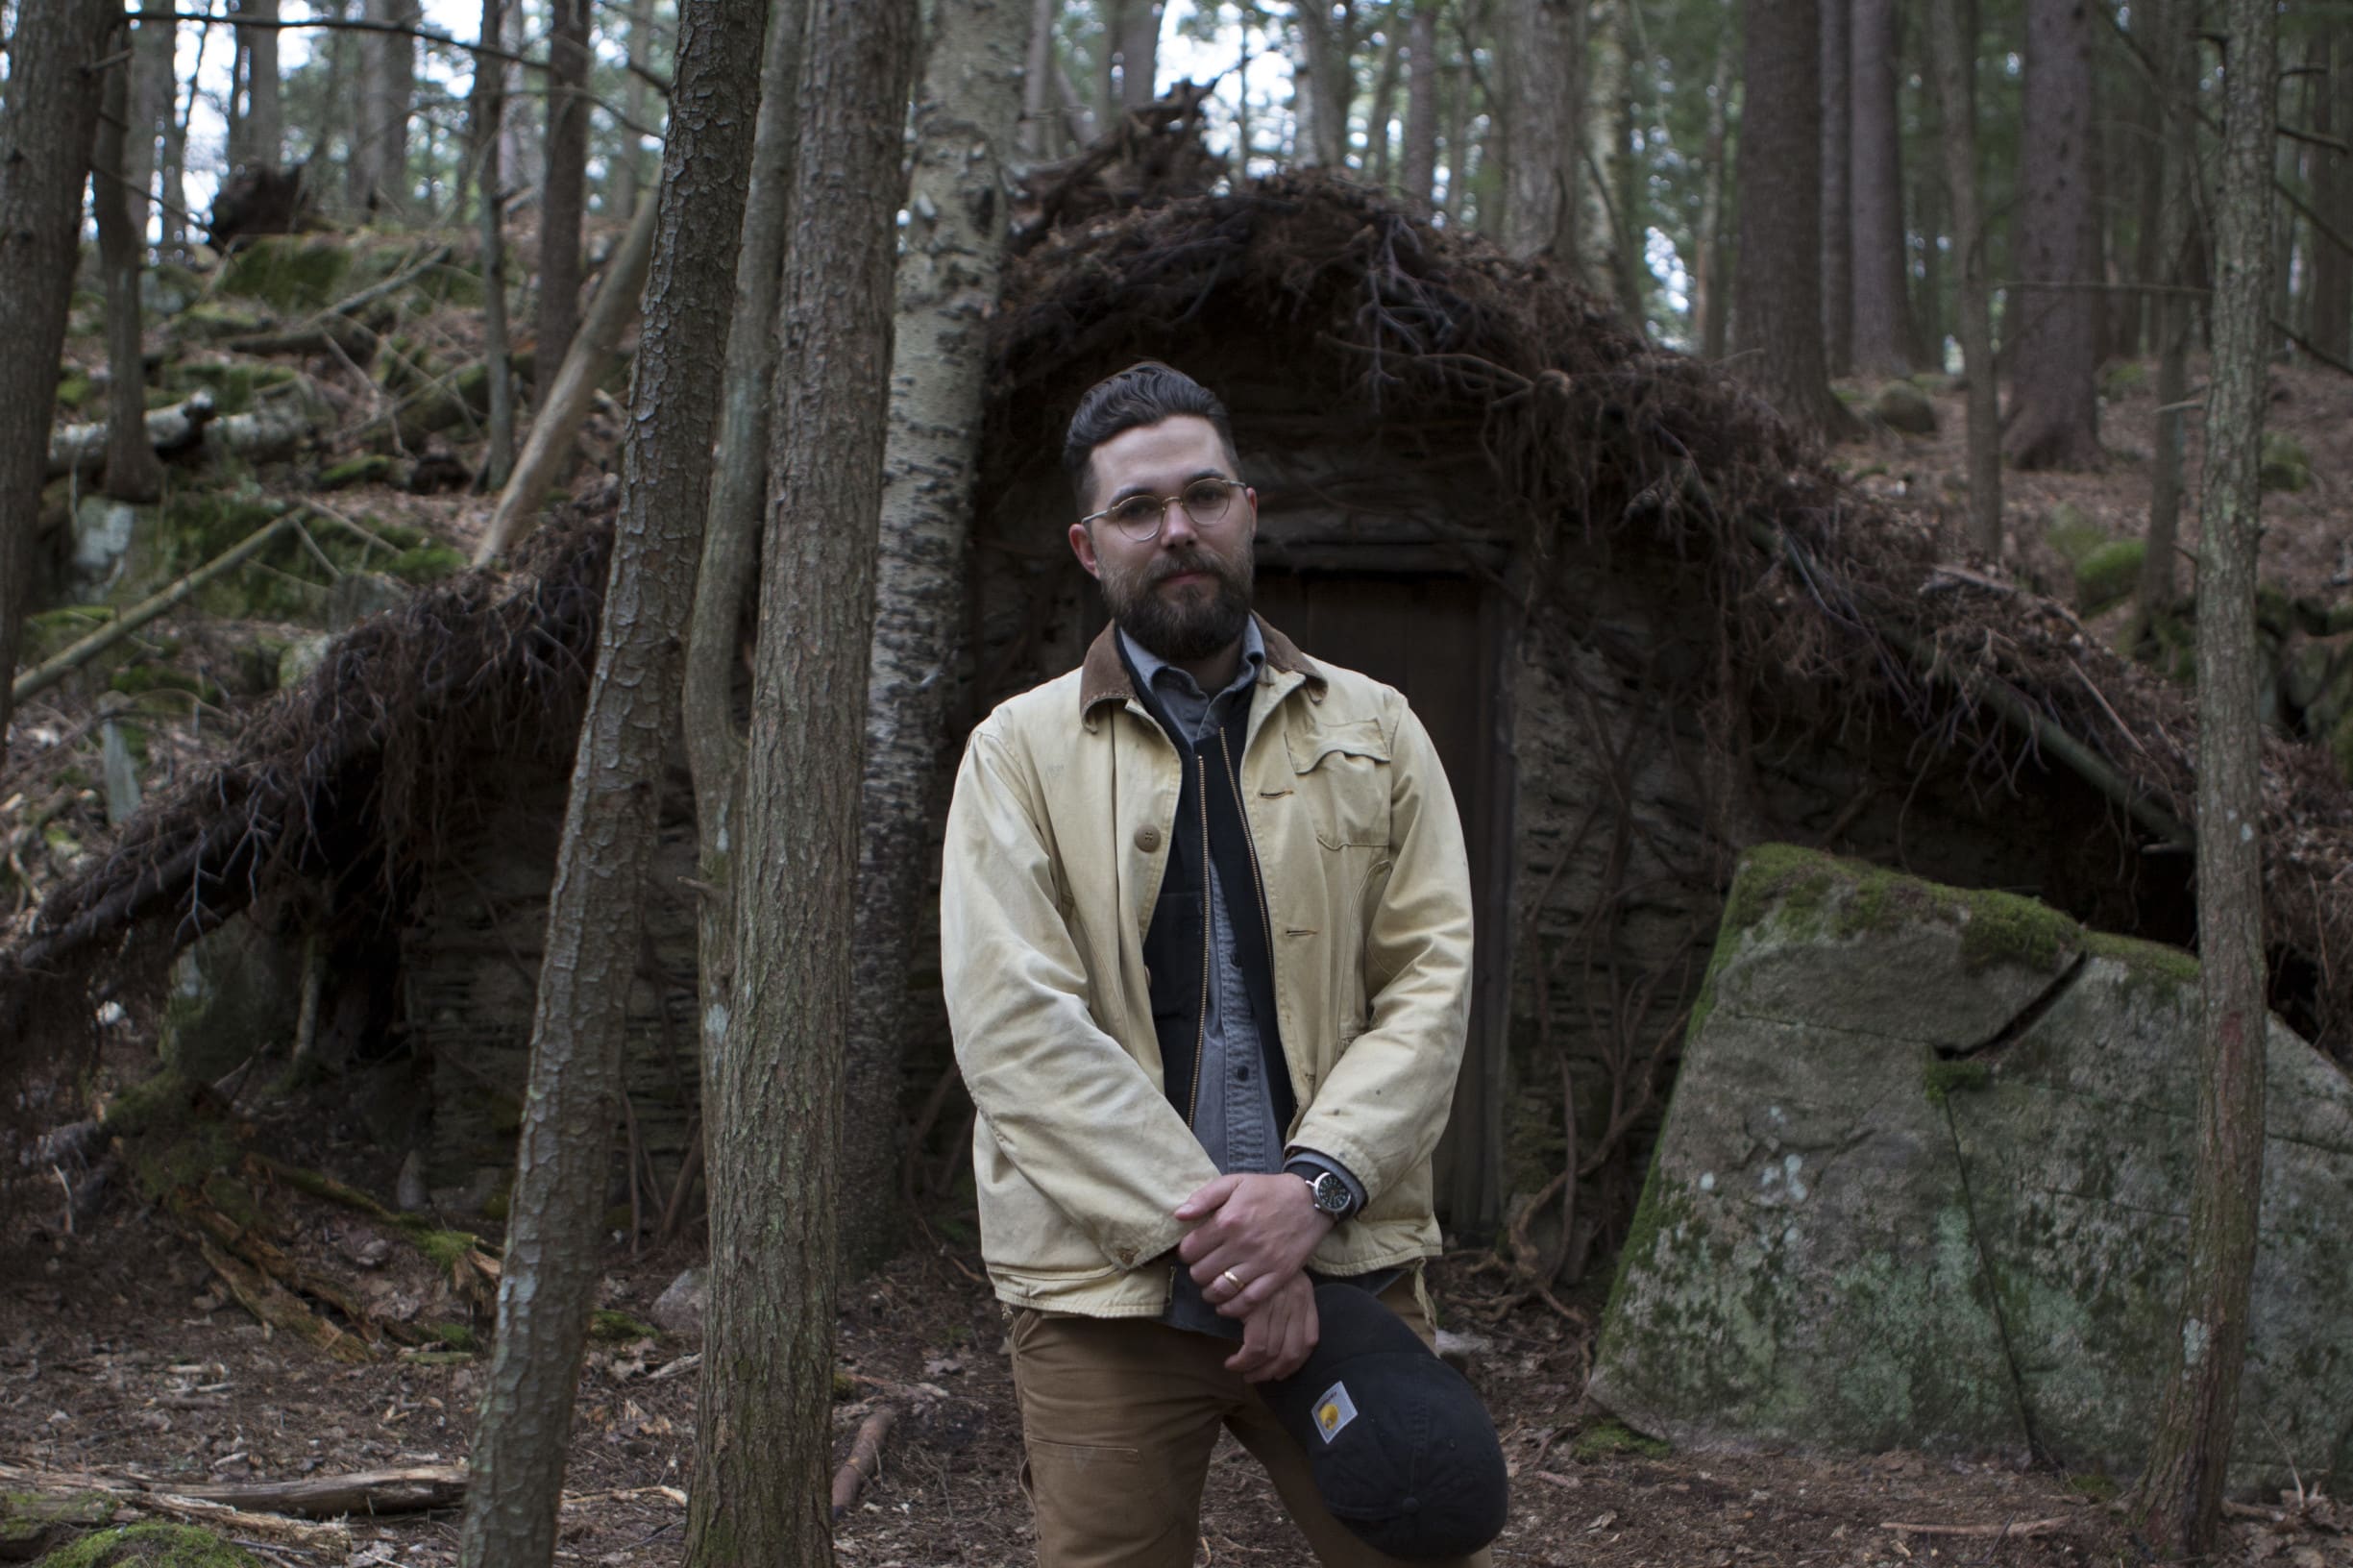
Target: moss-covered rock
[32,1523]
[151,1546]
[1902,407]
[293,274]
[1923,1181]
[2285,464]
[2107,574]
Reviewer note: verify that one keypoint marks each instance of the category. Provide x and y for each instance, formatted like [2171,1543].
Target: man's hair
[1145,393]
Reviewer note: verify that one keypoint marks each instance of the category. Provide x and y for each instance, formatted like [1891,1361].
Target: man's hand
[1253,1236]
[1278,1337]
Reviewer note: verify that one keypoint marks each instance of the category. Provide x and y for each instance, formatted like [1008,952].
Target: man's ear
[1081,545]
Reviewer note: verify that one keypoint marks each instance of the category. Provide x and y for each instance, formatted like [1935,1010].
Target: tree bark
[48,121]
[1710,287]
[1778,280]
[134,472]
[1376,139]
[629,170]
[2173,54]
[1039,121]
[379,147]
[1138,44]
[952,255]
[264,124]
[1459,144]
[2331,317]
[152,75]
[2054,417]
[1630,174]
[564,1155]
[1418,165]
[1953,54]
[2180,1504]
[1321,89]
[773,1122]
[1878,274]
[1544,77]
[172,181]
[1838,160]
[486,110]
[562,191]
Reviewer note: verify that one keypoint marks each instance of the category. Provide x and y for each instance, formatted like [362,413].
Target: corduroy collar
[1104,676]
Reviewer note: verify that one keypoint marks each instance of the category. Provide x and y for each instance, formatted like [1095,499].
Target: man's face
[1184,594]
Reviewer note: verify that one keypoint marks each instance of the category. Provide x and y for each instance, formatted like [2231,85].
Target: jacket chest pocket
[1343,781]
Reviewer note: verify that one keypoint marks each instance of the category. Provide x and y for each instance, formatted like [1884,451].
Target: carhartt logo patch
[1334,1410]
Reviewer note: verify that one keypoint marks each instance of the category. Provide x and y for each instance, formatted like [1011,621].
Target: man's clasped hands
[1248,1249]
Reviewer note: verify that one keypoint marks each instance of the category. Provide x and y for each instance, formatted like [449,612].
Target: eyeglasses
[1141,516]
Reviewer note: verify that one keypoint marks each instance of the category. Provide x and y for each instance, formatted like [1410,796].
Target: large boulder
[1925,1184]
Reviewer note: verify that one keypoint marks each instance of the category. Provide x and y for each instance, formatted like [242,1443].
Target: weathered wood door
[1436,638]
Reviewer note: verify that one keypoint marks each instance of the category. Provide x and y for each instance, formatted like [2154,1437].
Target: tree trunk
[48,120]
[562,191]
[152,75]
[1418,169]
[265,126]
[739,491]
[2180,1504]
[1459,142]
[1322,88]
[1138,44]
[1377,138]
[1630,173]
[628,168]
[172,179]
[2054,416]
[1838,160]
[487,109]
[948,289]
[2332,269]
[773,1122]
[1779,280]
[1543,67]
[134,472]
[379,147]
[1039,121]
[1710,287]
[1953,55]
[2173,54]
[1879,271]
[564,1156]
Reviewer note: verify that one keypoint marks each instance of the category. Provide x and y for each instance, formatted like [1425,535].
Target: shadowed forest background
[508,513]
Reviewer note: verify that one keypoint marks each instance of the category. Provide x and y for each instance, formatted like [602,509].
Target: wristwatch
[1329,1193]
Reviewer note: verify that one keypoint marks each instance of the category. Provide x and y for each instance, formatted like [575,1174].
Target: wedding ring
[1235,1280]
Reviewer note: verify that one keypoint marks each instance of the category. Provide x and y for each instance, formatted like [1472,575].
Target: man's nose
[1177,528]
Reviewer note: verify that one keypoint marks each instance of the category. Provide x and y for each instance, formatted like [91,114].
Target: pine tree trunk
[1418,165]
[1838,157]
[1953,55]
[1376,139]
[48,121]
[1710,287]
[487,110]
[1544,80]
[563,188]
[2054,417]
[952,253]
[265,126]
[1779,281]
[628,168]
[1630,175]
[564,1154]
[387,80]
[2332,267]
[772,1107]
[1321,90]
[1880,333]
[2173,54]
[134,472]
[1459,142]
[2180,1503]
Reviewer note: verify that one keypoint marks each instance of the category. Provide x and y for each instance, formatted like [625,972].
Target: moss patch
[431,563]
[153,1546]
[171,1140]
[2285,464]
[1943,1079]
[2004,928]
[289,273]
[614,1326]
[1612,1439]
[2071,533]
[2107,574]
[370,468]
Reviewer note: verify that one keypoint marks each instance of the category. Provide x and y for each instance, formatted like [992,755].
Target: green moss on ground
[2285,464]
[139,680]
[2121,377]
[611,1326]
[2108,574]
[151,1546]
[170,1140]
[2151,961]
[370,468]
[2071,533]
[290,273]
[75,388]
[1612,1439]
[431,563]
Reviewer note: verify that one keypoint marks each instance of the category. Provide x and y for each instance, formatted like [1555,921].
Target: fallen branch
[41,676]
[2009,1532]
[274,1305]
[82,449]
[411,1489]
[865,1459]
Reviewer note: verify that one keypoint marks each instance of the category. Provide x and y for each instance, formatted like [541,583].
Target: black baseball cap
[1401,1448]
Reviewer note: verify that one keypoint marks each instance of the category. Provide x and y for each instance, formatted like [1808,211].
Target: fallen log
[865,1461]
[410,1489]
[82,449]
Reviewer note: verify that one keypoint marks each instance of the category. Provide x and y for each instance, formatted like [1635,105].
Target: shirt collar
[1149,665]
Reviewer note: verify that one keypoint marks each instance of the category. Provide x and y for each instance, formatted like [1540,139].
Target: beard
[1194,622]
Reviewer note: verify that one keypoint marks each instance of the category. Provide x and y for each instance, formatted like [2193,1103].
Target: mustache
[1192,560]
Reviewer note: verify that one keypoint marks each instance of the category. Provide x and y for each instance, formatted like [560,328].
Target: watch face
[1331,1194]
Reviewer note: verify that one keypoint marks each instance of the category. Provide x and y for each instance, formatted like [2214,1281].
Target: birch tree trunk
[952,256]
[2180,1503]
[1837,189]
[563,187]
[772,1097]
[1952,53]
[564,1153]
[1779,280]
[134,470]
[1544,45]
[48,120]
[2054,415]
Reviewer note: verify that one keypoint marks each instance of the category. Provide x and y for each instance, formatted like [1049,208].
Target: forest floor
[118,1357]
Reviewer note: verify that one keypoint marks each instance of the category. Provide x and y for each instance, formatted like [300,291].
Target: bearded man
[1206,937]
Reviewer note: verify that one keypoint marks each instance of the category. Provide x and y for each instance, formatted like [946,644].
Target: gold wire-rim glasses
[1141,518]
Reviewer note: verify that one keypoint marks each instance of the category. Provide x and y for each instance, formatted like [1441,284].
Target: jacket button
[1147,838]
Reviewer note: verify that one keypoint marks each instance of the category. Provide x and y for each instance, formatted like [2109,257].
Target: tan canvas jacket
[1056,845]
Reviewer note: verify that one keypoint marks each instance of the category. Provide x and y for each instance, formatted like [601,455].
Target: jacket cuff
[1311,1164]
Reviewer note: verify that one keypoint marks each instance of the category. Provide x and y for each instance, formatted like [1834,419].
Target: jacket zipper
[1201,1011]
[1258,883]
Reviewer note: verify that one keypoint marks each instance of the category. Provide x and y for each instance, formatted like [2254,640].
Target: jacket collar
[1104,676]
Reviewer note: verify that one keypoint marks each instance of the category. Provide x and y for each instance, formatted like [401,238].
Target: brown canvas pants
[1119,1417]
